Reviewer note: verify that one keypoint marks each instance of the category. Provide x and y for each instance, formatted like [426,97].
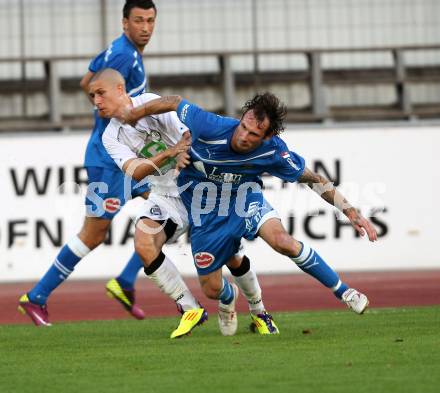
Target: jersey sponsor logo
[224,177]
[286,156]
[111,205]
[152,148]
[203,259]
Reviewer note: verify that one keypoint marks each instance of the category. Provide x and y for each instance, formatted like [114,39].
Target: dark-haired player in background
[124,55]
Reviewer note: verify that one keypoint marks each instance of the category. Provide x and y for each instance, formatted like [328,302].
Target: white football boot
[227,316]
[355,300]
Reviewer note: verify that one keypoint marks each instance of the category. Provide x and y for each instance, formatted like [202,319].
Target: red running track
[86,300]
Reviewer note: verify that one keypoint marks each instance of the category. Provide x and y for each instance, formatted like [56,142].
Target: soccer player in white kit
[163,216]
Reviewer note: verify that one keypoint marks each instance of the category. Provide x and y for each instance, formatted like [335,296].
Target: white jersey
[150,136]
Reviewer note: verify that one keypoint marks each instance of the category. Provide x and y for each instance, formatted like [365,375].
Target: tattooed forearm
[325,189]
[308,177]
[162,105]
[172,100]
[156,106]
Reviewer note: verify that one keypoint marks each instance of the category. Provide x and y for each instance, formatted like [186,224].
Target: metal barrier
[315,77]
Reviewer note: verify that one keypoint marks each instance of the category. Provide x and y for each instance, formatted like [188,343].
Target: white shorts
[161,208]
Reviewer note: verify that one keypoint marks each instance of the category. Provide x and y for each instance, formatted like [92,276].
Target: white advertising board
[390,173]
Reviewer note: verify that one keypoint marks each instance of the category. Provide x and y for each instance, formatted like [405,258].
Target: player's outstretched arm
[154,107]
[138,168]
[327,191]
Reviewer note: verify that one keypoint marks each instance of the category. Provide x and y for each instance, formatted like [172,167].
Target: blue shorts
[218,238]
[108,191]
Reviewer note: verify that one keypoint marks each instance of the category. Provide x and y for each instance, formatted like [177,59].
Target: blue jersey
[214,161]
[221,188]
[122,56]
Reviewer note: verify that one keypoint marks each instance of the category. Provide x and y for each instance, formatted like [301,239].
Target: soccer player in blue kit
[105,195]
[221,190]
[162,218]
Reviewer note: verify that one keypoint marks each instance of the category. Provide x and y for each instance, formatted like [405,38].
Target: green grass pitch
[385,350]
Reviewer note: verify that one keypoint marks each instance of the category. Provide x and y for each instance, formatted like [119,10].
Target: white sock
[78,247]
[249,286]
[170,282]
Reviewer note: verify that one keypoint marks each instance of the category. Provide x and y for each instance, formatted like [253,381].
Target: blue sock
[227,293]
[65,262]
[128,276]
[310,262]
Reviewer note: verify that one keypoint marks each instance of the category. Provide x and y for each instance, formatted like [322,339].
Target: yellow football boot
[263,324]
[190,319]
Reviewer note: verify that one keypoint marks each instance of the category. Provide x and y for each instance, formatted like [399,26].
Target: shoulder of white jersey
[112,126]
[114,122]
[143,98]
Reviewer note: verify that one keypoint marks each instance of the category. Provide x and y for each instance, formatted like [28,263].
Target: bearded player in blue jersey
[105,195]
[221,190]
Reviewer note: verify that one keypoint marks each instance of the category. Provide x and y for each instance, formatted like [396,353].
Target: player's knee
[234,262]
[283,243]
[101,236]
[146,249]
[211,289]
[93,239]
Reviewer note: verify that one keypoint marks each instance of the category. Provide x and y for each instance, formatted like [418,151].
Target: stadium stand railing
[315,78]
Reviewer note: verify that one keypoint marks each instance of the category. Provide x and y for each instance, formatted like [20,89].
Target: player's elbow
[138,168]
[84,84]
[85,81]
[131,168]
[174,101]
[177,98]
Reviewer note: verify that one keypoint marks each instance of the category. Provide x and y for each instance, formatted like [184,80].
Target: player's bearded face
[139,26]
[249,134]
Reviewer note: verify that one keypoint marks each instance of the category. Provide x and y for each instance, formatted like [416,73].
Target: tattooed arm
[327,191]
[153,107]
